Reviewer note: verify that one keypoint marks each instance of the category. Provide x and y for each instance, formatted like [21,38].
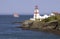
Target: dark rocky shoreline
[57,32]
[51,27]
[51,24]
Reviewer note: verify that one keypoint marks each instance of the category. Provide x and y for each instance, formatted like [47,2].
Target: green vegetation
[52,18]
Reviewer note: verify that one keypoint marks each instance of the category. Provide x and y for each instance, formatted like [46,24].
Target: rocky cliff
[51,24]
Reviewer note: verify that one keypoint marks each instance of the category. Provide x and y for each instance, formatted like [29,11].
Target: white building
[52,14]
[37,16]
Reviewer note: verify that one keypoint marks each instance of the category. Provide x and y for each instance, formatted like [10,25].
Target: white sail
[16,15]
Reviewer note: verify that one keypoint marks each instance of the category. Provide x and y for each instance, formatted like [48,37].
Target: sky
[27,6]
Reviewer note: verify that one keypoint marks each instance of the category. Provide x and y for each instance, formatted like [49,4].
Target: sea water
[9,30]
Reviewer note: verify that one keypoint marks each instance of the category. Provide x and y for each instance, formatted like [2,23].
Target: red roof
[56,12]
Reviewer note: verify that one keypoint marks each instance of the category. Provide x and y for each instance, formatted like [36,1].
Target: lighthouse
[36,13]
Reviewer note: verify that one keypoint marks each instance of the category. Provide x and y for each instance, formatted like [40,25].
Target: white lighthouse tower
[36,13]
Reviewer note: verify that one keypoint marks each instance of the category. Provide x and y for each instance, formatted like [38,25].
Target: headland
[47,23]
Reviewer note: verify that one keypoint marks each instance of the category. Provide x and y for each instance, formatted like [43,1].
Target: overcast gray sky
[27,6]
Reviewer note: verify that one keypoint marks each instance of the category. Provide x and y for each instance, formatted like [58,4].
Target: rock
[51,25]
[27,23]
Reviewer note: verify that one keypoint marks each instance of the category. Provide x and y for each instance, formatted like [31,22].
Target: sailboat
[16,15]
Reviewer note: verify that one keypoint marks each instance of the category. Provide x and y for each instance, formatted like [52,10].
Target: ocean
[8,30]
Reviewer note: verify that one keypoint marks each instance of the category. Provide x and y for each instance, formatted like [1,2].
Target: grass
[52,18]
